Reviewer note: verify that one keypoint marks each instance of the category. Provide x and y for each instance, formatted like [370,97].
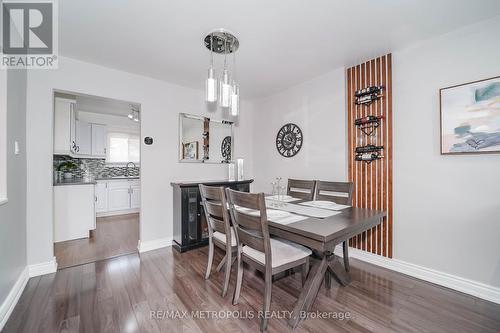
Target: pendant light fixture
[211,83]
[235,92]
[224,42]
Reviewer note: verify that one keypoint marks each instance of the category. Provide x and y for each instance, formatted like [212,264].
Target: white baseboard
[43,268]
[145,246]
[471,287]
[10,301]
[118,212]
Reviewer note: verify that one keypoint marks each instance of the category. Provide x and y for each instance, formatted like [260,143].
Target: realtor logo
[29,34]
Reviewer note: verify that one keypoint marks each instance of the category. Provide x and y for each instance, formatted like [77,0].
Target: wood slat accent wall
[372,182]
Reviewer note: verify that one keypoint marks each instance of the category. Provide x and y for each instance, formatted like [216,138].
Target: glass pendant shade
[235,99]
[225,90]
[211,86]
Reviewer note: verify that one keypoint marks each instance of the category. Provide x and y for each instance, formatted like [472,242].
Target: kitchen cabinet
[115,197]
[118,195]
[74,211]
[63,125]
[99,140]
[76,137]
[101,197]
[83,137]
[135,196]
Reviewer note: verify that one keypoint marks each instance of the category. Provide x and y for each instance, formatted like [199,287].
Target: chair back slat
[214,208]
[248,221]
[338,192]
[248,212]
[217,225]
[301,189]
[254,240]
[214,200]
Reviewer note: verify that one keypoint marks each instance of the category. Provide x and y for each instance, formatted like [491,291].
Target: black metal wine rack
[368,95]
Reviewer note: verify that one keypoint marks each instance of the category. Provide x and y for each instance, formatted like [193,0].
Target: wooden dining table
[322,235]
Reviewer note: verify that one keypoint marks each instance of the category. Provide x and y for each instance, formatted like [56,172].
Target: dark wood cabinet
[190,224]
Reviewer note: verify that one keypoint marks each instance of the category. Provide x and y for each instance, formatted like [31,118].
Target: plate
[277,214]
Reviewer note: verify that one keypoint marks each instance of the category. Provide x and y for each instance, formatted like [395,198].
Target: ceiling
[103,105]
[282,42]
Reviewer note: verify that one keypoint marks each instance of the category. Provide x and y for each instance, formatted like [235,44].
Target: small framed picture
[190,151]
[470,117]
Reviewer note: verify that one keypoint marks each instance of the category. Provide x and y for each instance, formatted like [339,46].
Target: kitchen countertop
[74,181]
[117,178]
[83,181]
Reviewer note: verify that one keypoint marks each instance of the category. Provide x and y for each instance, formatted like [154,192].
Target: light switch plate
[16,148]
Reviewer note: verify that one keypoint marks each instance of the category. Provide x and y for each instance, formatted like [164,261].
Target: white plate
[321,203]
[277,214]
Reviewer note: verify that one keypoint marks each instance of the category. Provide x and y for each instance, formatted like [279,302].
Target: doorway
[97,183]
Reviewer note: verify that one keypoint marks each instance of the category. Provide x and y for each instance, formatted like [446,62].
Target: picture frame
[190,150]
[470,117]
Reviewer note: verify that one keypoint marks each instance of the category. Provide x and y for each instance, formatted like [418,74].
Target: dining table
[320,227]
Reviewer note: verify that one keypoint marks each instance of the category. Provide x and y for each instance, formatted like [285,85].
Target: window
[123,148]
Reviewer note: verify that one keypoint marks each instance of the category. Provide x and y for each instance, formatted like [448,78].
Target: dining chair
[338,192]
[220,231]
[301,189]
[256,248]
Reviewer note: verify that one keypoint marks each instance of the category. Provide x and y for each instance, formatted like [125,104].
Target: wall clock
[289,140]
[225,148]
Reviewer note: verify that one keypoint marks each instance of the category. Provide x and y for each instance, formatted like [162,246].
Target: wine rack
[369,129]
[368,95]
[368,124]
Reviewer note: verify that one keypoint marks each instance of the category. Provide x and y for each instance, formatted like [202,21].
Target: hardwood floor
[117,295]
[114,236]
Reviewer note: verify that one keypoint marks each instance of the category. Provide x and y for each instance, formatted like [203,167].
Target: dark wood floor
[117,295]
[114,236]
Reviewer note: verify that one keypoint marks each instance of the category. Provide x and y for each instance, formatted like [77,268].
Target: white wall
[318,108]
[160,102]
[13,212]
[446,208]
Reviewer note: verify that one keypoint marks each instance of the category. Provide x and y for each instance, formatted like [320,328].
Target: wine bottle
[368,149]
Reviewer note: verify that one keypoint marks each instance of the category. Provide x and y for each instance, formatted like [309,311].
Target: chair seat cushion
[222,237]
[282,252]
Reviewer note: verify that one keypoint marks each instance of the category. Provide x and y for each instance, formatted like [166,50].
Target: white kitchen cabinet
[63,123]
[83,137]
[99,140]
[101,197]
[135,196]
[115,197]
[74,211]
[118,195]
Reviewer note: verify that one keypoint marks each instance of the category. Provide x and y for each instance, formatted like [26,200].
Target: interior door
[99,140]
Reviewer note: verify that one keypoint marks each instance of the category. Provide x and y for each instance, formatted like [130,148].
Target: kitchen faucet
[127,173]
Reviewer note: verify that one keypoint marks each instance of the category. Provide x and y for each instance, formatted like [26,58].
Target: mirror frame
[203,118]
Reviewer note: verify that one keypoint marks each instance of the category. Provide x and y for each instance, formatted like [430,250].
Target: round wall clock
[225,148]
[289,140]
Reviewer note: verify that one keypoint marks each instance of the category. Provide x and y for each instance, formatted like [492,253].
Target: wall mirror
[205,140]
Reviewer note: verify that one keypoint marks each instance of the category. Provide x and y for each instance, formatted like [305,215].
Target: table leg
[338,271]
[309,291]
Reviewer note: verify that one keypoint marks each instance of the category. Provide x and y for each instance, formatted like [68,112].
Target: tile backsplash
[96,168]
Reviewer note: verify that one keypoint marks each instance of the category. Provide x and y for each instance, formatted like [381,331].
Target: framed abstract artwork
[470,117]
